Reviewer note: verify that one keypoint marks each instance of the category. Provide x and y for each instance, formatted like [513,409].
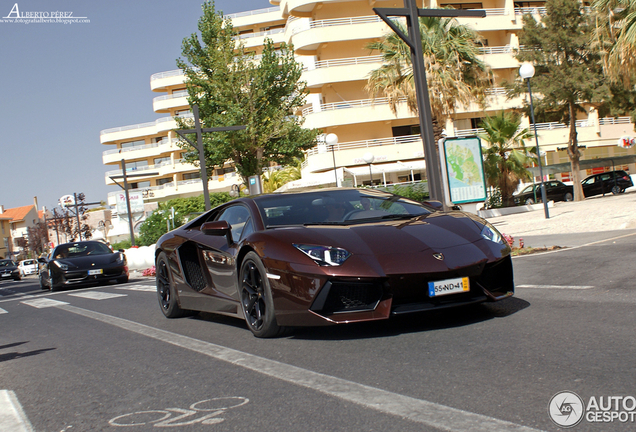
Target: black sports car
[80,263]
[9,270]
[329,256]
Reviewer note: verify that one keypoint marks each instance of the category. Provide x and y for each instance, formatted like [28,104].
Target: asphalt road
[105,358]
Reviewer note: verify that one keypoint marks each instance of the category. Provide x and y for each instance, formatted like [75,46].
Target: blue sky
[63,84]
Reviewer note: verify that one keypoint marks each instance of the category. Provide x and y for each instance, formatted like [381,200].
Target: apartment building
[330,39]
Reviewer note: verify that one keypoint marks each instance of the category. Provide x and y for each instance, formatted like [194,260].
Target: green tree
[568,70]
[158,222]
[272,180]
[505,160]
[456,76]
[232,87]
[615,37]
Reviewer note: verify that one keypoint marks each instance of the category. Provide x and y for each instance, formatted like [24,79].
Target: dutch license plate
[95,272]
[448,286]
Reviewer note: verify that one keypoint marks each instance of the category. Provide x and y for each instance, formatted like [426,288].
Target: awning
[392,167]
[584,164]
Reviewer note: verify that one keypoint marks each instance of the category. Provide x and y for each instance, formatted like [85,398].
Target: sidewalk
[595,214]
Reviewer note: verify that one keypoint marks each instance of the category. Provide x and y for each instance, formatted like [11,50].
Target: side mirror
[42,260]
[218,228]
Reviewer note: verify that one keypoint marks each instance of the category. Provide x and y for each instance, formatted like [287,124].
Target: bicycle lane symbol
[173,417]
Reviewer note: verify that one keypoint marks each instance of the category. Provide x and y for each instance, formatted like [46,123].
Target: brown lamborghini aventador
[329,256]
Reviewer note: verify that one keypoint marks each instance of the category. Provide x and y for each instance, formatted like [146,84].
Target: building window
[463,6]
[128,144]
[140,185]
[192,176]
[135,165]
[406,130]
[163,181]
[161,160]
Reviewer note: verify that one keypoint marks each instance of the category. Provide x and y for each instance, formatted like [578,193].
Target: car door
[591,186]
[219,256]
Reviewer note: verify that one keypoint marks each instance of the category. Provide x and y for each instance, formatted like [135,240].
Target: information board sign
[465,170]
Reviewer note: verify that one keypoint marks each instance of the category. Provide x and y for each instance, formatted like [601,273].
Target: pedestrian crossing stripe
[97,295]
[44,303]
[2,311]
[148,288]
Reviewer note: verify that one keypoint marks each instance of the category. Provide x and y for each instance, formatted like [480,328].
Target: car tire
[568,197]
[616,190]
[42,285]
[256,298]
[122,280]
[165,289]
[529,201]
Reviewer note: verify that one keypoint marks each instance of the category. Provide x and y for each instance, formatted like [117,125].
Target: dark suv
[613,181]
[554,190]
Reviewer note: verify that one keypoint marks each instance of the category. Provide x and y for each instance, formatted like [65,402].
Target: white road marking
[574,287]
[416,410]
[12,417]
[2,311]
[149,288]
[97,295]
[43,303]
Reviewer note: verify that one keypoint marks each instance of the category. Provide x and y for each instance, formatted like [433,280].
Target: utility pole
[413,40]
[199,146]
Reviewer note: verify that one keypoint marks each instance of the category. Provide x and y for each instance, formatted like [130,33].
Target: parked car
[28,267]
[9,270]
[554,191]
[80,263]
[330,256]
[612,181]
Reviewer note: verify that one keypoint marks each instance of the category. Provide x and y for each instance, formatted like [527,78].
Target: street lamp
[526,71]
[331,140]
[369,158]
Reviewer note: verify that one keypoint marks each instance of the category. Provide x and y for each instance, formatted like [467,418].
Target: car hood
[398,246]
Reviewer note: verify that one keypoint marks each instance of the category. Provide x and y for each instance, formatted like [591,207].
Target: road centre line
[12,417]
[416,410]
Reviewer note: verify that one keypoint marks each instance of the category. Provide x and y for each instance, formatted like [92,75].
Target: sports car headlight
[324,255]
[489,232]
[61,265]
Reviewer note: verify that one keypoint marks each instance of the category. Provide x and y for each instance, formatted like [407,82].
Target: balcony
[153,171]
[350,154]
[369,110]
[181,189]
[258,39]
[160,82]
[165,103]
[259,16]
[307,35]
[333,71]
[139,152]
[163,124]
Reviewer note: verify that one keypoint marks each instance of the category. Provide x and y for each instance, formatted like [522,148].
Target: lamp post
[331,140]
[526,71]
[369,158]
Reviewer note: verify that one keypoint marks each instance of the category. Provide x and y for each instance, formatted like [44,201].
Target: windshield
[6,263]
[336,207]
[71,250]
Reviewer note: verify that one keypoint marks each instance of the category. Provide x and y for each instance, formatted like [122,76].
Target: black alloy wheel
[256,298]
[165,290]
[42,285]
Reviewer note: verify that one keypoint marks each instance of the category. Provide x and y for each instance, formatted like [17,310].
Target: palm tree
[615,37]
[455,74]
[506,157]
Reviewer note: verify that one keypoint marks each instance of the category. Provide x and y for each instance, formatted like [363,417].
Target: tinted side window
[237,216]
